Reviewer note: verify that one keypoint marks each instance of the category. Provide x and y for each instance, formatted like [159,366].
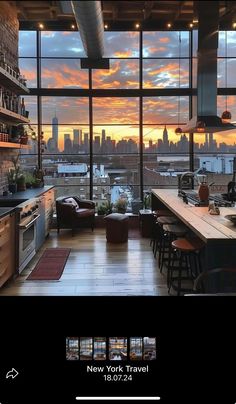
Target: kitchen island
[217,232]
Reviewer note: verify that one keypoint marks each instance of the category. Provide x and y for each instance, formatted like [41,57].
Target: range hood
[204,108]
[212,124]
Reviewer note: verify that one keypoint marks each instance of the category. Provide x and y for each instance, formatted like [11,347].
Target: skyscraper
[165,139]
[103,136]
[103,143]
[86,142]
[77,134]
[211,141]
[96,144]
[67,143]
[55,131]
[206,144]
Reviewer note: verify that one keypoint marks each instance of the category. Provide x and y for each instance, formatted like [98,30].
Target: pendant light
[226,115]
[200,126]
[178,130]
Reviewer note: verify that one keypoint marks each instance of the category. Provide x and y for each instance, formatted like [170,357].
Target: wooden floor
[95,268]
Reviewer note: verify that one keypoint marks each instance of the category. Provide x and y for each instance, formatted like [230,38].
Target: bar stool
[188,251]
[171,233]
[160,242]
[155,234]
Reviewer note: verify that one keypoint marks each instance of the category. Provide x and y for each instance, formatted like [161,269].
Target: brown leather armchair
[70,216]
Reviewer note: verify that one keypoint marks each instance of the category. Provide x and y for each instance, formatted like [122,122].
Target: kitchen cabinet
[7,247]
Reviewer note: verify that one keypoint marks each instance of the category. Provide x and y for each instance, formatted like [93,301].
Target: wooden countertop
[207,227]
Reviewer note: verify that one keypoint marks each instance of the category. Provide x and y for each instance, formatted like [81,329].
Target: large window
[118,139]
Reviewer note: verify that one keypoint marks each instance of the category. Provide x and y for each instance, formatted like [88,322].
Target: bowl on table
[232,218]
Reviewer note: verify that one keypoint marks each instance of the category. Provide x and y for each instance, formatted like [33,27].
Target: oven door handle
[25,226]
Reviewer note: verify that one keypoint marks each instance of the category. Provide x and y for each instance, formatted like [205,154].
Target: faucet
[183,177]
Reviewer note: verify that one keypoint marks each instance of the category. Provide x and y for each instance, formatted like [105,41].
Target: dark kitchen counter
[5,211]
[23,196]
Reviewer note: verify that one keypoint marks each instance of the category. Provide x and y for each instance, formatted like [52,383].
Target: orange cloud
[132,65]
[29,74]
[147,84]
[169,68]
[111,84]
[163,104]
[164,39]
[115,110]
[64,76]
[123,54]
[114,77]
[154,49]
[114,68]
[132,84]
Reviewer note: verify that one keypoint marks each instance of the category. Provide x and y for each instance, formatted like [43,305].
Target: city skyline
[119,116]
[103,143]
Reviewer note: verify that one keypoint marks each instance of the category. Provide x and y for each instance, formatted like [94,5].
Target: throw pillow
[73,202]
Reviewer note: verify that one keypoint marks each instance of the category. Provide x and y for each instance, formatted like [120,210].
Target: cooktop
[193,198]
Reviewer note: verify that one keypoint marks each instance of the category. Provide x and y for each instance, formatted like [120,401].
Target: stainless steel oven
[27,233]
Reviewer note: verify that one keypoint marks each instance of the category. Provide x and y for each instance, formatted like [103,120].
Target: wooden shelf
[11,83]
[9,145]
[11,117]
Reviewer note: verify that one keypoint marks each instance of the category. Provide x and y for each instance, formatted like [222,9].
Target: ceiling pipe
[88,16]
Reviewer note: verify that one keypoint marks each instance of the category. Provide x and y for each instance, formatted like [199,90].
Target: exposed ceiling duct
[205,117]
[89,19]
[66,7]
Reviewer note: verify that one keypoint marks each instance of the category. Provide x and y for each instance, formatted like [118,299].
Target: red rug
[51,265]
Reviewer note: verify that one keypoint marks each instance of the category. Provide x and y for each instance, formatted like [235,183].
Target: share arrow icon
[12,373]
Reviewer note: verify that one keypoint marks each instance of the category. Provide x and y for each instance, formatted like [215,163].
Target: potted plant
[108,206]
[147,201]
[38,175]
[101,210]
[29,179]
[105,208]
[121,205]
[20,181]
[13,174]
[12,181]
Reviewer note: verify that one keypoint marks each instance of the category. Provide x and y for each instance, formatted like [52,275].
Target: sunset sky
[162,72]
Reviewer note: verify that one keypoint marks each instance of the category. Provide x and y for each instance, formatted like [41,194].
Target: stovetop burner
[193,198]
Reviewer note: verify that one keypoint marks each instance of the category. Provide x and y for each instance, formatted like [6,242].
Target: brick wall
[5,165]
[9,27]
